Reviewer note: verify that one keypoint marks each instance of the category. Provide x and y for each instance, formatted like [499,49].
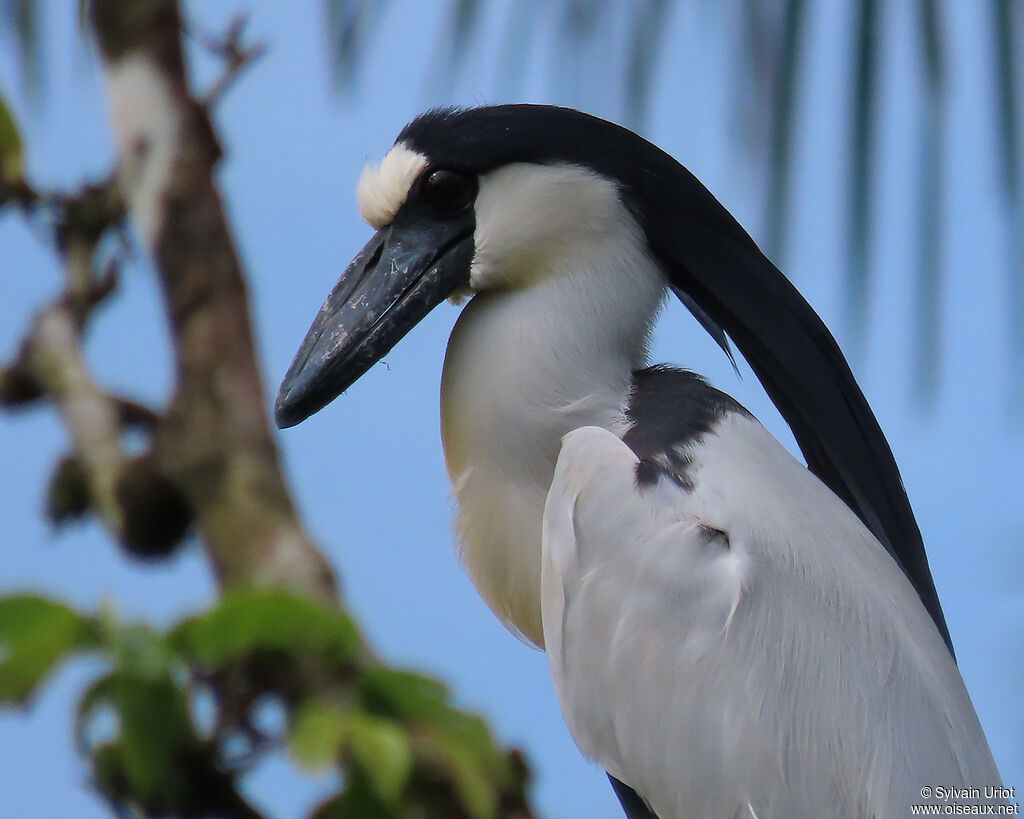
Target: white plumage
[784,669]
[549,345]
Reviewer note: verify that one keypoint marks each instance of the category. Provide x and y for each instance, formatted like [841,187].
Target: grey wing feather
[745,648]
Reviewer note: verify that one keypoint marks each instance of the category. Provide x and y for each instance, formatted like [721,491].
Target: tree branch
[215,441]
[213,464]
[133,498]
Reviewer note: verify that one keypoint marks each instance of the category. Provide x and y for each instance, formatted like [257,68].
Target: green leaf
[470,771]
[155,732]
[35,634]
[402,694]
[357,800]
[140,650]
[100,693]
[459,742]
[12,157]
[383,752]
[108,775]
[248,620]
[317,735]
[378,746]
[414,698]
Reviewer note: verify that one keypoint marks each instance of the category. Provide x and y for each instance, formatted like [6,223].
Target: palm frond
[783,118]
[21,21]
[349,24]
[516,47]
[646,37]
[1007,33]
[1005,22]
[460,25]
[928,281]
[862,121]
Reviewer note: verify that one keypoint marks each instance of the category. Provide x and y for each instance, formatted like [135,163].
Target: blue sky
[368,472]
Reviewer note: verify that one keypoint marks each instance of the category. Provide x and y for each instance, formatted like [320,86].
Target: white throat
[549,346]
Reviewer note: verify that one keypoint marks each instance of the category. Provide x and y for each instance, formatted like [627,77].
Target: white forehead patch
[383,188]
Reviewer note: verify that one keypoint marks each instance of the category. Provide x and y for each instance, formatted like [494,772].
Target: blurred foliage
[20,20]
[11,152]
[772,39]
[349,25]
[35,635]
[928,284]
[175,718]
[405,749]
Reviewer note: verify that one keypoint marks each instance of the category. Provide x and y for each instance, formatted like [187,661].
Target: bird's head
[466,201]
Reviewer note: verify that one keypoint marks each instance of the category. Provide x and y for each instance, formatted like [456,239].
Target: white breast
[549,345]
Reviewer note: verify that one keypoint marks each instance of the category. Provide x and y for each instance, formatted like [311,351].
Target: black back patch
[670,409]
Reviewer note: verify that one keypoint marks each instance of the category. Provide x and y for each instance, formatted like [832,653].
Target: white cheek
[536,220]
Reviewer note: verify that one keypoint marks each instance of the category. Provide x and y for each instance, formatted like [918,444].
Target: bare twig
[53,358]
[17,192]
[236,56]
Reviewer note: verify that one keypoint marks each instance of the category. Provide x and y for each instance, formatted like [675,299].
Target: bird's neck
[523,368]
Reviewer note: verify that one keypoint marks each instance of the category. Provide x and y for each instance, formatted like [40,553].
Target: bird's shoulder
[613,552]
[669,411]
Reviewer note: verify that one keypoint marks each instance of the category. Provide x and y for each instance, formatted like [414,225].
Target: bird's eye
[447,192]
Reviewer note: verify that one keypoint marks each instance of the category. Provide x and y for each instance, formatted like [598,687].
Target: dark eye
[447,192]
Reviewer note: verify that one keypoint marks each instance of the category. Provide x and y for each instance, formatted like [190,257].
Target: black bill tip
[294,405]
[405,270]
